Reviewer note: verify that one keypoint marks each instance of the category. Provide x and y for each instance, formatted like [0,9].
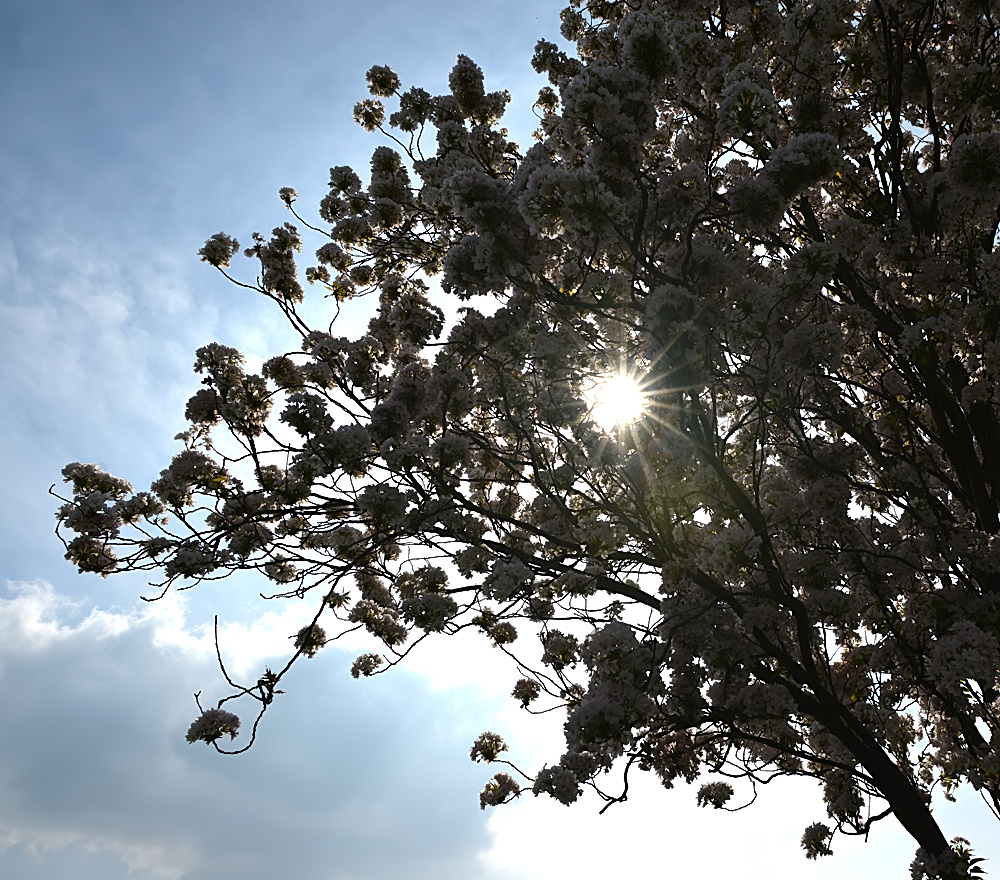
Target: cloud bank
[350,779]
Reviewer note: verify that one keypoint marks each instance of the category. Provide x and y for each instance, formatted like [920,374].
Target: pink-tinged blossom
[499,790]
[310,639]
[93,514]
[816,841]
[382,81]
[381,622]
[715,794]
[560,649]
[189,470]
[503,633]
[277,260]
[203,407]
[487,747]
[788,563]
[213,724]
[964,653]
[429,611]
[281,571]
[192,560]
[957,863]
[748,109]
[366,665]
[369,114]
[93,555]
[88,478]
[558,782]
[219,250]
[526,691]
[508,578]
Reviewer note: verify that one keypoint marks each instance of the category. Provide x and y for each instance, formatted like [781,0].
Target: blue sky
[132,132]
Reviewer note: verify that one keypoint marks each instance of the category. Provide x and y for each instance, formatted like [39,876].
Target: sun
[615,400]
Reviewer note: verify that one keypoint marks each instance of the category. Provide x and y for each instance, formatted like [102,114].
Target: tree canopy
[773,227]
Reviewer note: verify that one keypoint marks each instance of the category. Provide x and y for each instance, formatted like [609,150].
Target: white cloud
[103,305]
[349,778]
[31,620]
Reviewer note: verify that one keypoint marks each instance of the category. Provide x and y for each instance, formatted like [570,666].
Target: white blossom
[213,724]
[716,794]
[487,747]
[526,691]
[366,665]
[786,563]
[965,653]
[558,782]
[219,250]
[816,840]
[500,789]
[310,639]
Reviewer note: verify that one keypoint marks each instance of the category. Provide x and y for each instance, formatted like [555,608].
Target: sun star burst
[616,400]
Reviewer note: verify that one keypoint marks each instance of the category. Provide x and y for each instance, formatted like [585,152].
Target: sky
[133,131]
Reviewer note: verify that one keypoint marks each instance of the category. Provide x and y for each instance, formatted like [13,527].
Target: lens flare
[616,400]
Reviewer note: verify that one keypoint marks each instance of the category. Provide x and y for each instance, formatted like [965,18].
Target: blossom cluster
[784,227]
[500,789]
[213,724]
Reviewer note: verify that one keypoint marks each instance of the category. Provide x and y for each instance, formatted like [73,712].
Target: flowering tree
[777,222]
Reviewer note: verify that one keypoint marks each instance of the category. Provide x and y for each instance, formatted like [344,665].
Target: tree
[778,221]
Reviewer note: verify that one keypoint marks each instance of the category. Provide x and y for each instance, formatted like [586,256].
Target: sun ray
[616,400]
